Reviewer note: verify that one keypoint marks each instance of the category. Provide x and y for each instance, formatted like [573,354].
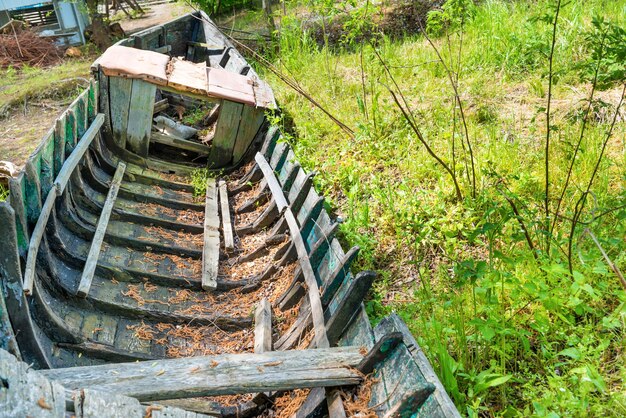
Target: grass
[32,98]
[34,82]
[508,334]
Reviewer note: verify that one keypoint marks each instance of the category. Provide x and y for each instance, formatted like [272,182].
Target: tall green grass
[509,335]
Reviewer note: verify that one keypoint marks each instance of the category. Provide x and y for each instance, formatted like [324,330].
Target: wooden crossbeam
[96,244]
[160,138]
[227,228]
[59,186]
[211,249]
[224,374]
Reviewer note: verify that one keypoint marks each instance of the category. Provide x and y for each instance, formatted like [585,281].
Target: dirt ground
[24,129]
[155,15]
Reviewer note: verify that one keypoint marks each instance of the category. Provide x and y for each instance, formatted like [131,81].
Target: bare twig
[408,116]
[612,265]
[547,146]
[582,134]
[580,204]
[457,97]
[522,225]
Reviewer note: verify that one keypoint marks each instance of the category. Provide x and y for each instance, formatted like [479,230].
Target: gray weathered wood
[185,144]
[35,241]
[72,161]
[251,121]
[166,49]
[211,249]
[263,327]
[272,182]
[333,399]
[227,228]
[309,277]
[225,134]
[95,404]
[223,374]
[119,105]
[25,392]
[96,243]
[140,117]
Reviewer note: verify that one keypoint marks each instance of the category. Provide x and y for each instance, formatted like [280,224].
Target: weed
[4,193]
[511,329]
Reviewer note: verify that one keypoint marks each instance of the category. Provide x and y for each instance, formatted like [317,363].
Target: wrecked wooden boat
[165,254]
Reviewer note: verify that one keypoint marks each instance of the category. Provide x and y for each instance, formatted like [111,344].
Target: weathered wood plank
[263,327]
[96,243]
[185,144]
[35,241]
[211,249]
[140,117]
[59,186]
[223,374]
[16,303]
[227,227]
[420,375]
[344,306]
[59,144]
[225,134]
[272,182]
[72,161]
[119,105]
[251,121]
[317,311]
[26,393]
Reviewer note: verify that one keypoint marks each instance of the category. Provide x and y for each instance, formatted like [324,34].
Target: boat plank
[227,227]
[263,327]
[35,241]
[96,244]
[77,154]
[251,121]
[223,374]
[185,144]
[119,105]
[27,393]
[277,191]
[140,117]
[211,249]
[225,133]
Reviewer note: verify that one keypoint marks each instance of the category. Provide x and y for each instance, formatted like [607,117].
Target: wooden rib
[211,250]
[263,327]
[227,228]
[159,138]
[225,374]
[59,186]
[35,241]
[78,153]
[272,182]
[103,222]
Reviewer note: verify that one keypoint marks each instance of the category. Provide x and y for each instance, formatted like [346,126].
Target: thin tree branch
[548,129]
[582,134]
